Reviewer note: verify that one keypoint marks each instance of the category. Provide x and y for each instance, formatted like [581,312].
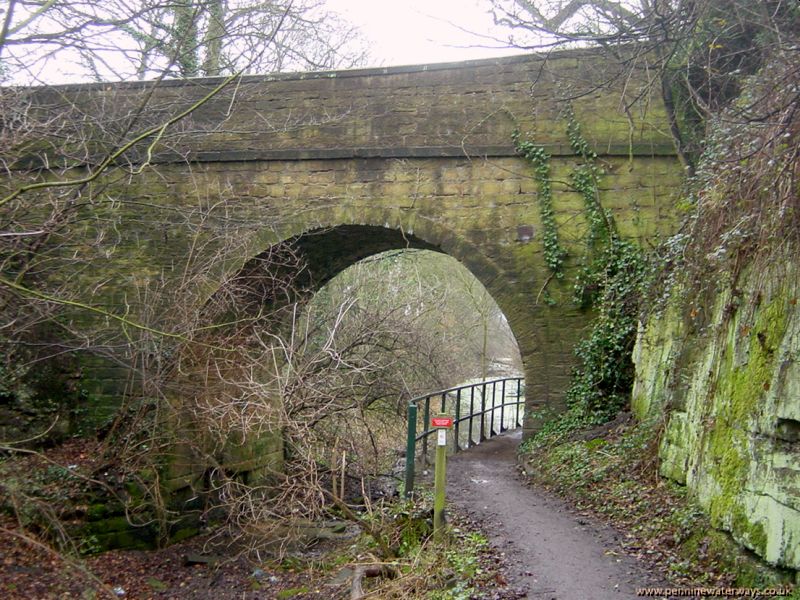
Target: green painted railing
[476,405]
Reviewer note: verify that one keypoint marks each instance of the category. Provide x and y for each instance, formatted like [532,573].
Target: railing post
[503,407]
[482,436]
[411,446]
[456,424]
[519,395]
[470,440]
[492,431]
[426,419]
[439,484]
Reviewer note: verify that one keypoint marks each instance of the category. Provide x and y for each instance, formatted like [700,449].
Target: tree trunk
[212,41]
[186,37]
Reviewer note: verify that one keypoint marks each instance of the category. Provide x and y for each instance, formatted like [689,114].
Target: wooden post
[442,423]
[439,483]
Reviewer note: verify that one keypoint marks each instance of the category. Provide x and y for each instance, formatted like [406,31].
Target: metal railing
[476,404]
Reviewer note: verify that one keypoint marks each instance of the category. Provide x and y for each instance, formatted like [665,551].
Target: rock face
[724,375]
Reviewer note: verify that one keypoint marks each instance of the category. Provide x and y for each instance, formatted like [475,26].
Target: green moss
[183,533]
[739,395]
[291,592]
[718,548]
[98,511]
[595,444]
[127,540]
[118,523]
[754,533]
[136,491]
[157,584]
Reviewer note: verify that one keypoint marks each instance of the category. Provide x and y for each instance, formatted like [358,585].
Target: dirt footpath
[553,553]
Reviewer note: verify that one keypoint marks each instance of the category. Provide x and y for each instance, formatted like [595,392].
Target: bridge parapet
[425,111]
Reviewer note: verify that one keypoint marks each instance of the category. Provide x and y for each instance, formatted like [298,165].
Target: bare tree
[330,375]
[697,51]
[126,39]
[58,160]
[213,37]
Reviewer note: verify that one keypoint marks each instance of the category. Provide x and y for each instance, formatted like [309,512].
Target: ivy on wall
[554,254]
[610,280]
[585,178]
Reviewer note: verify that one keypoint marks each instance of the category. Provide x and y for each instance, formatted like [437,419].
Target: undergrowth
[456,567]
[614,476]
[744,207]
[320,560]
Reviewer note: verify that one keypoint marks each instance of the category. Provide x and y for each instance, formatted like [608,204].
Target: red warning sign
[442,421]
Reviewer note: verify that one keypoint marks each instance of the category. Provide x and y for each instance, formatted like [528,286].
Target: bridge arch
[346,164]
[324,248]
[385,229]
[328,245]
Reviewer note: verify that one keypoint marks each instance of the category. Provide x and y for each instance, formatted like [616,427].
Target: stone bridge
[352,163]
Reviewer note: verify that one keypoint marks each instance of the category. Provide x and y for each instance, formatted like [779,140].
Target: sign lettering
[442,421]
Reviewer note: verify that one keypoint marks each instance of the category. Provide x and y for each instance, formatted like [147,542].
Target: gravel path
[554,554]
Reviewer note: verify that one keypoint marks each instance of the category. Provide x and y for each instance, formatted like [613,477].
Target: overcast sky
[396,32]
[422,31]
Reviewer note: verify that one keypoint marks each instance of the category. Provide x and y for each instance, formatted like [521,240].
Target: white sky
[403,32]
[396,32]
